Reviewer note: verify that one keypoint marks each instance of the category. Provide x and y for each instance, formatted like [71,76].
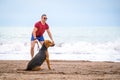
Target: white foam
[81,50]
[108,51]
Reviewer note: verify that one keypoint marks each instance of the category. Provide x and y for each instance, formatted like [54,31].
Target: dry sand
[61,70]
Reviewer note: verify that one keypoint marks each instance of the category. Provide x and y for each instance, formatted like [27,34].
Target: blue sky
[60,12]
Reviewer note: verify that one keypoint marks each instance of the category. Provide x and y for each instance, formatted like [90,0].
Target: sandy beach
[61,70]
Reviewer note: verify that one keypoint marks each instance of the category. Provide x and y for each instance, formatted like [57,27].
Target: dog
[40,57]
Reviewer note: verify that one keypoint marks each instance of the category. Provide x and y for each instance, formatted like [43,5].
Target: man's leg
[32,48]
[39,39]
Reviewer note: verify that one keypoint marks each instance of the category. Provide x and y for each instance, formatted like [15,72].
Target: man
[38,31]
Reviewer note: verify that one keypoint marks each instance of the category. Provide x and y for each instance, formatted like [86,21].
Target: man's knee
[32,48]
[32,45]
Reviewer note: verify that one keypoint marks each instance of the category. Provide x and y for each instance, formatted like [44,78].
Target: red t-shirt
[41,28]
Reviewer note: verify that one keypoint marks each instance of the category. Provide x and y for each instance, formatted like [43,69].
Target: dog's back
[38,59]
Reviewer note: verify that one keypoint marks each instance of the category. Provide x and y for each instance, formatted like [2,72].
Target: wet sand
[61,70]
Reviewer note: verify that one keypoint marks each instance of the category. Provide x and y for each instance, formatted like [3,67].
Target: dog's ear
[45,43]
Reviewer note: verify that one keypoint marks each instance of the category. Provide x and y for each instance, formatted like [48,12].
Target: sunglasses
[45,18]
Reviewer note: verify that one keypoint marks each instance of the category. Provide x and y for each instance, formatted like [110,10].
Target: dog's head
[48,43]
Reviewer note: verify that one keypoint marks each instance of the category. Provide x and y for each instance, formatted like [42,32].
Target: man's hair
[43,15]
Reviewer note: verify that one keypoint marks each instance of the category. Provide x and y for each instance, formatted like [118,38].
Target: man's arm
[50,35]
[34,32]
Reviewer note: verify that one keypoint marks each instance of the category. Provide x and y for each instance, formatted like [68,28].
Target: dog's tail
[22,70]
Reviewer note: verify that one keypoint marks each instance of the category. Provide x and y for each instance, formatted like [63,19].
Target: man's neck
[43,22]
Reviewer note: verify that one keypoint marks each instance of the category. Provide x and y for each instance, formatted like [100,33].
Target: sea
[93,43]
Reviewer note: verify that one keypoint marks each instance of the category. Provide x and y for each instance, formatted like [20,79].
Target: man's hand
[52,42]
[35,38]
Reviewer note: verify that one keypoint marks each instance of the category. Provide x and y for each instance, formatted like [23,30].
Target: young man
[38,31]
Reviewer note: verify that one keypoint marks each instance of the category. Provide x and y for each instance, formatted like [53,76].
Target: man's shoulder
[46,24]
[37,24]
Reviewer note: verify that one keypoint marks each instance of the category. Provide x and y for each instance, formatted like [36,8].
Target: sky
[60,12]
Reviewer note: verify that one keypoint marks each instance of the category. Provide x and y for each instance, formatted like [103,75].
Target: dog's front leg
[47,60]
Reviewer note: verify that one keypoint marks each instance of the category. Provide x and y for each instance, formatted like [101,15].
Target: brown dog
[40,57]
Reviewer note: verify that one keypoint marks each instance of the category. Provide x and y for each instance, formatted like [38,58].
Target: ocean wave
[107,51]
[82,47]
[81,50]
